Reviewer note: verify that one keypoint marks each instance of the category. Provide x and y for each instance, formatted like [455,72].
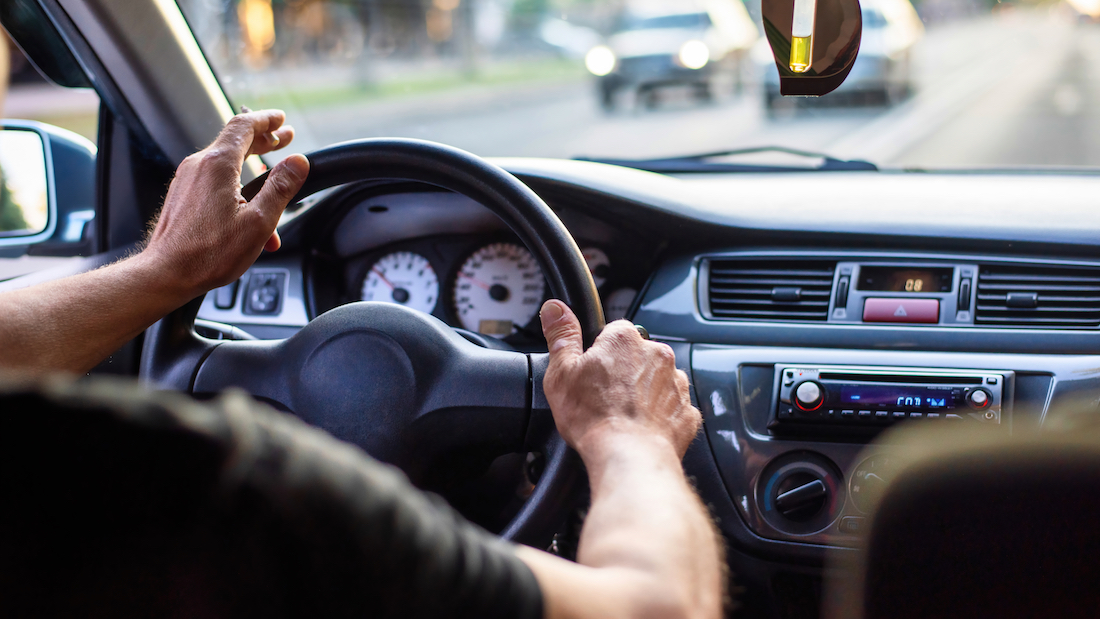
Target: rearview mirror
[47,190]
[815,43]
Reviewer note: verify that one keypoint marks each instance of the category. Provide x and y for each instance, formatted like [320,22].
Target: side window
[47,162]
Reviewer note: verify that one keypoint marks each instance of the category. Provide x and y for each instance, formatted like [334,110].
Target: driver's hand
[622,384]
[207,234]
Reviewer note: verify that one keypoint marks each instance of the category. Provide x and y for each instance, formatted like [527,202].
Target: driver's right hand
[623,384]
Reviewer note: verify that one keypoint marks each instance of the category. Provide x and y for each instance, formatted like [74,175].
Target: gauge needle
[383,277]
[476,282]
[870,475]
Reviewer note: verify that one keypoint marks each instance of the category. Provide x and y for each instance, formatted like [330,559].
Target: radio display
[871,396]
[901,279]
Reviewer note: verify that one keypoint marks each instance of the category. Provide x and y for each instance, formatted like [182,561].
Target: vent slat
[715,291]
[743,289]
[771,273]
[1020,277]
[776,281]
[1067,297]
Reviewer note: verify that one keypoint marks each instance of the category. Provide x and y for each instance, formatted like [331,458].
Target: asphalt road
[1011,89]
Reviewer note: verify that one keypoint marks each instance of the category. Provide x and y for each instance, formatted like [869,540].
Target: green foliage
[11,214]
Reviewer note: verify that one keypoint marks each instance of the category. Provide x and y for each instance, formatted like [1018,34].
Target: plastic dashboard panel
[732,368]
[671,310]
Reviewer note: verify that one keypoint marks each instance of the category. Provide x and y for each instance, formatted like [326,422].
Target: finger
[283,182]
[274,242]
[275,140]
[562,331]
[243,130]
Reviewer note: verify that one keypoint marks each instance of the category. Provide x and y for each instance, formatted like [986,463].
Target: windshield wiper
[704,162]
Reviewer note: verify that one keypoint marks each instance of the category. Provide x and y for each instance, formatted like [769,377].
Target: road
[1011,89]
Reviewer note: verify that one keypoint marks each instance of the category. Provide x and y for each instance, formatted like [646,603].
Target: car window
[551,78]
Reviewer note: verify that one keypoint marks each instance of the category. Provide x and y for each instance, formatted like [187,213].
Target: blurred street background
[985,84]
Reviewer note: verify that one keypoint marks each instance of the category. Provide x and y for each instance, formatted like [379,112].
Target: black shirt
[117,502]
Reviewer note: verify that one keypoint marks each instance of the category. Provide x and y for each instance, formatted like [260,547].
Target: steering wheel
[399,383]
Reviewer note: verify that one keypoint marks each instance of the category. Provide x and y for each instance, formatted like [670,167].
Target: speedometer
[405,278]
[498,289]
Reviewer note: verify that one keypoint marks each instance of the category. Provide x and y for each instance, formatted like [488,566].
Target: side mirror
[815,43]
[47,190]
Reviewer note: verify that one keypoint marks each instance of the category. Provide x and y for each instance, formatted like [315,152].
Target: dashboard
[811,311]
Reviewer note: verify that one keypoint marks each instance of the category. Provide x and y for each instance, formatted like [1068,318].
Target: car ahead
[964,263]
[697,44]
[881,74]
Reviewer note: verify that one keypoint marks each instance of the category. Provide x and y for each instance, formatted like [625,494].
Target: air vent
[770,289]
[1038,297]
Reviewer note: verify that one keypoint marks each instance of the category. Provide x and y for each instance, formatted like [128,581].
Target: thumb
[562,331]
[283,182]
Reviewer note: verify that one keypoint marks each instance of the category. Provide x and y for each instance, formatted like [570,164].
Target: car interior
[896,368]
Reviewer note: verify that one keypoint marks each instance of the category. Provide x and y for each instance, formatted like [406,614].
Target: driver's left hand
[207,234]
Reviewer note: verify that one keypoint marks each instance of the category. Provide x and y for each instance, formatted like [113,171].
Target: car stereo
[867,397]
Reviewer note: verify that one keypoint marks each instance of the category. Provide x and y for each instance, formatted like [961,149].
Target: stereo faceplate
[862,398]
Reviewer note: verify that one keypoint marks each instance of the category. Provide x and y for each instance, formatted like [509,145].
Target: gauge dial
[404,278]
[869,481]
[598,264]
[617,304]
[498,289]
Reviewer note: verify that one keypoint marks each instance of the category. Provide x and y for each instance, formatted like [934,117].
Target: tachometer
[405,278]
[499,288]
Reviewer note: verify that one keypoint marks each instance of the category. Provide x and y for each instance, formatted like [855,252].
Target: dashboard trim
[674,302]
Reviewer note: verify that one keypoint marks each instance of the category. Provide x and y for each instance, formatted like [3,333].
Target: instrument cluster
[488,285]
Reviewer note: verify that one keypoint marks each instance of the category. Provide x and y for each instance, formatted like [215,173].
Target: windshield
[938,83]
[682,20]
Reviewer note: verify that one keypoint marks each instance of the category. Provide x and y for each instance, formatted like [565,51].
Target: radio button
[847,414]
[933,415]
[899,415]
[879,309]
[882,414]
[864,414]
[979,399]
[808,395]
[851,524]
[950,416]
[915,415]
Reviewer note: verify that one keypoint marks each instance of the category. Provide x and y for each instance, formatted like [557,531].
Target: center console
[791,438]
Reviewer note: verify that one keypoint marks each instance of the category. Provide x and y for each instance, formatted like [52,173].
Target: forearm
[648,547]
[645,517]
[72,324]
[639,492]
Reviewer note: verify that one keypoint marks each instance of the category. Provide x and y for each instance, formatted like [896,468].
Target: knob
[808,395]
[801,496]
[979,398]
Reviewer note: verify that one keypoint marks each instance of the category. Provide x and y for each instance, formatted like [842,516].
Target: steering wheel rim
[175,357]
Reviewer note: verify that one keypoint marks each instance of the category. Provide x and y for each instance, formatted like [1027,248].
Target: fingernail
[275,141]
[551,312]
[297,166]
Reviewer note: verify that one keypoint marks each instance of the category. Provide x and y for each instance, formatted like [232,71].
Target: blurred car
[881,74]
[658,44]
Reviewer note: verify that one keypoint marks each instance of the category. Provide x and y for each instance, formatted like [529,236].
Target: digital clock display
[902,279]
[876,396]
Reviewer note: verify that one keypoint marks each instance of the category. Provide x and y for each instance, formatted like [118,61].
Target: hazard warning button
[901,310]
